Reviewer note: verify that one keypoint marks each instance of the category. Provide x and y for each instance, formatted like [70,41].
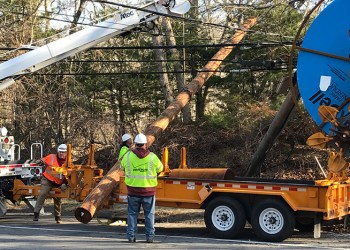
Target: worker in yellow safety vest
[125,146]
[141,168]
[52,178]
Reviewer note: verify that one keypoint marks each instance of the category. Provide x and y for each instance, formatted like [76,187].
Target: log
[95,198]
[86,211]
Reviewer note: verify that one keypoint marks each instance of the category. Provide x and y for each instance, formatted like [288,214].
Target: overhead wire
[176,17]
[189,46]
[127,6]
[245,70]
[162,14]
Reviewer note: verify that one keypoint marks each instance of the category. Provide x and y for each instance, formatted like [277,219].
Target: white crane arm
[70,45]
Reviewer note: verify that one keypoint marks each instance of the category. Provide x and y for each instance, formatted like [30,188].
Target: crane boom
[55,51]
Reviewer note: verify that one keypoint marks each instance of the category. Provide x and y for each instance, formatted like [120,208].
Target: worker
[51,180]
[141,168]
[125,146]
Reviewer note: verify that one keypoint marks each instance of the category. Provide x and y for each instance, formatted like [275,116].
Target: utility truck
[13,168]
[274,207]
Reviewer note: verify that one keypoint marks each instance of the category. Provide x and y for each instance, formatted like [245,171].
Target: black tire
[224,217]
[304,224]
[273,220]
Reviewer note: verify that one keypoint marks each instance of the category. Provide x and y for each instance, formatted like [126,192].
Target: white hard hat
[62,148]
[126,137]
[140,139]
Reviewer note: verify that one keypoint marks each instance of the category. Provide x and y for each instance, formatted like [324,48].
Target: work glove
[42,164]
[63,187]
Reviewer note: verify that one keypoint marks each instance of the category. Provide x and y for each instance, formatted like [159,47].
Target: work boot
[149,240]
[36,216]
[132,240]
[58,219]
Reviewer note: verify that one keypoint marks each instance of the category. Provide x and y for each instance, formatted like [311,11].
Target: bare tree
[178,68]
[161,66]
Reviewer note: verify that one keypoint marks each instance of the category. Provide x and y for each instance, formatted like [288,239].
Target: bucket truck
[13,168]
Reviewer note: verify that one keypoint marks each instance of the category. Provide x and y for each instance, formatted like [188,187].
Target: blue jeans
[134,205]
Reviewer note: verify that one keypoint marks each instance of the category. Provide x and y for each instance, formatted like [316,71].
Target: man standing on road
[51,180]
[141,168]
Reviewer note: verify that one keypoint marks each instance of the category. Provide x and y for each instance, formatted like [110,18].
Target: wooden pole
[154,130]
[272,133]
[86,211]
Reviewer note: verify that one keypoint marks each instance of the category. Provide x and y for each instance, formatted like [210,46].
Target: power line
[160,72]
[243,62]
[255,45]
[94,25]
[124,6]
[162,14]
[137,8]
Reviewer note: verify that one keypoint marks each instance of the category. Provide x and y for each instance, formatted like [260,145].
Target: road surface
[18,231]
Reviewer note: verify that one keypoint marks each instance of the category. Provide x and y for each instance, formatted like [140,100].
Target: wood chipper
[81,180]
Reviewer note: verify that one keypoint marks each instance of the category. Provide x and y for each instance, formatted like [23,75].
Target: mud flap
[3,208]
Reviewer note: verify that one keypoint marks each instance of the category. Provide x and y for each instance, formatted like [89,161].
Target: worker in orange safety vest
[52,179]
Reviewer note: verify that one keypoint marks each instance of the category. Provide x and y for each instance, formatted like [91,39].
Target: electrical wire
[162,14]
[260,45]
[189,46]
[94,25]
[128,6]
[245,70]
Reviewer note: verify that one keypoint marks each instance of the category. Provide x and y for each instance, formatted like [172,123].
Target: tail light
[6,143]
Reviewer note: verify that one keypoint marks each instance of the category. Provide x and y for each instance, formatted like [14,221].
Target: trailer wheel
[273,220]
[224,217]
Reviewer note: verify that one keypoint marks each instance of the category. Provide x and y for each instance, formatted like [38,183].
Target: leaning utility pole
[97,196]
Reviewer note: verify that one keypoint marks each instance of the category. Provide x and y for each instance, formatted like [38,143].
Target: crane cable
[294,87]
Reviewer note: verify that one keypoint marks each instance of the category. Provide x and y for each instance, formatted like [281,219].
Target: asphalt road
[18,231]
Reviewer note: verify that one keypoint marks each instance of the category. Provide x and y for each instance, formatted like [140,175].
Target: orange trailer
[274,207]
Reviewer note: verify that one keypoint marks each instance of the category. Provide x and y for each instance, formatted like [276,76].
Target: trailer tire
[224,217]
[273,220]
